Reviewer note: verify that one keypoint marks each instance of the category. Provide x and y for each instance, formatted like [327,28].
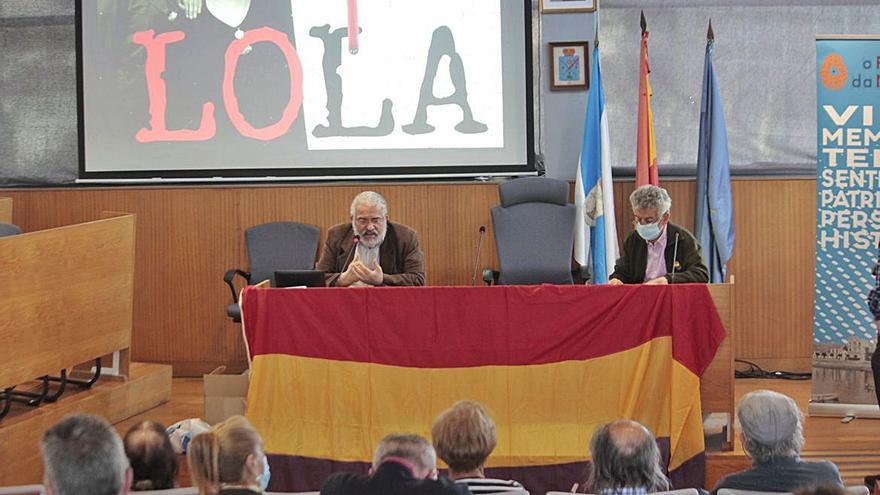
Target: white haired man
[404,464]
[658,251]
[625,460]
[370,249]
[83,455]
[772,434]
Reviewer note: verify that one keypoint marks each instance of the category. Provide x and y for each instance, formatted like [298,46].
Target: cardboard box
[225,395]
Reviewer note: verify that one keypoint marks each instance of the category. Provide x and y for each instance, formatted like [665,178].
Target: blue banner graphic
[848,217]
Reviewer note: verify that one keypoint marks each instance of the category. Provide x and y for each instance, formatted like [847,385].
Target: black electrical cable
[756,371]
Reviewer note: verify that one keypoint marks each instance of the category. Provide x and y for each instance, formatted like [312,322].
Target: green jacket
[690,269]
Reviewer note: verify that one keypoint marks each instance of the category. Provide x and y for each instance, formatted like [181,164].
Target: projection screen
[238,89]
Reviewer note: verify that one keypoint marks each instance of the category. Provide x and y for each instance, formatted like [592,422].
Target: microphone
[354,241]
[674,254]
[477,257]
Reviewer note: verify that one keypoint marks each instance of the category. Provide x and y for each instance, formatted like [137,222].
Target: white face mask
[650,231]
[264,478]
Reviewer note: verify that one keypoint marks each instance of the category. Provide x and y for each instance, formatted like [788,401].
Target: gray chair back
[7,229]
[280,246]
[534,232]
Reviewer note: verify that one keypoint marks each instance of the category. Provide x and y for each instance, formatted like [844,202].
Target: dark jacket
[782,475]
[391,478]
[690,269]
[400,257]
[874,295]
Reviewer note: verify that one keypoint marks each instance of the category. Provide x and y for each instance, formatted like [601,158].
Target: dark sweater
[782,475]
[391,478]
[688,263]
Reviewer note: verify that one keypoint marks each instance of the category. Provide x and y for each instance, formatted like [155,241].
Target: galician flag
[595,243]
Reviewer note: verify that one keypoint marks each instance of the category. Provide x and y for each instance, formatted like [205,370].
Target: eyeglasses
[366,222]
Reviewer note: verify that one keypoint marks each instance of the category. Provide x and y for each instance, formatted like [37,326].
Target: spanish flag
[335,370]
[646,152]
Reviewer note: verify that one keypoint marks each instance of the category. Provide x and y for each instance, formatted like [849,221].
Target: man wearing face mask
[371,250]
[657,248]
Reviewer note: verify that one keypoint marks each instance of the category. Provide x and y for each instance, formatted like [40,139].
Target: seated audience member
[402,464]
[153,460]
[772,434]
[625,460]
[228,459]
[83,455]
[385,253]
[874,307]
[647,254]
[464,436]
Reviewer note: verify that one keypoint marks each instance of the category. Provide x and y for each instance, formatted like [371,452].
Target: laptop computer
[299,278]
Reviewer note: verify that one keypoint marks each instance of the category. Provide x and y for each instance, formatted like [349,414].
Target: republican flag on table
[646,148]
[334,370]
[595,242]
[713,217]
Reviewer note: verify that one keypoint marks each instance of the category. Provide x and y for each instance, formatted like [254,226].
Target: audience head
[650,205]
[412,449]
[369,218]
[771,426]
[624,454]
[83,455]
[230,453]
[153,461]
[464,436]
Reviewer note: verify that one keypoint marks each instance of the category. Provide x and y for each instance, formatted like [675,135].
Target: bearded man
[371,250]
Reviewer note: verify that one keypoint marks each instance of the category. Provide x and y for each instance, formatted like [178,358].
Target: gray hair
[650,198]
[369,198]
[414,448]
[83,455]
[625,454]
[772,425]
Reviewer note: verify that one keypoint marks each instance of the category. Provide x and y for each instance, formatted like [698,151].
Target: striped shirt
[490,485]
[874,295]
[626,490]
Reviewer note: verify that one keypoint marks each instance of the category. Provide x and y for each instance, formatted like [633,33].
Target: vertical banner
[848,223]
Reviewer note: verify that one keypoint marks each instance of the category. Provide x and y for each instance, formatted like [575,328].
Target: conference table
[334,370]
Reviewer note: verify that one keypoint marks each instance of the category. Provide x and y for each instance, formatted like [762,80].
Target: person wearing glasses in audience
[371,250]
[658,252]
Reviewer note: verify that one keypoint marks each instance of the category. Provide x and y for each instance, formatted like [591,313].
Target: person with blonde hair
[229,459]
[464,437]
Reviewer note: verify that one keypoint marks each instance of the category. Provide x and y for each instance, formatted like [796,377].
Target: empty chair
[7,229]
[22,489]
[534,231]
[271,247]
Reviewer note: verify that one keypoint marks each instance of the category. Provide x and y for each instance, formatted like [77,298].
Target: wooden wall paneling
[188,236]
[773,263]
[69,296]
[6,210]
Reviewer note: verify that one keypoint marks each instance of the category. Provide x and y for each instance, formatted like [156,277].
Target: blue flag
[713,218]
[595,242]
